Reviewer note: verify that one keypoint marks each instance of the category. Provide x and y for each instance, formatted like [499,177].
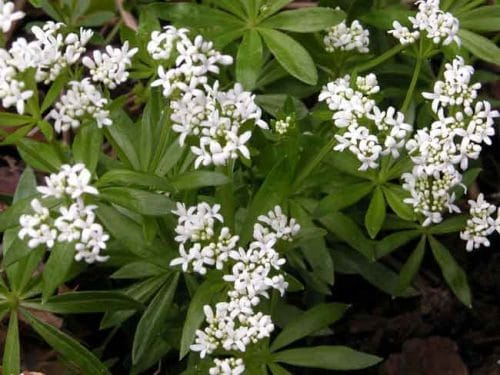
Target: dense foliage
[197,172]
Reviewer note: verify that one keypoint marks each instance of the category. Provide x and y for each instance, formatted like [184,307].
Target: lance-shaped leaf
[305,20]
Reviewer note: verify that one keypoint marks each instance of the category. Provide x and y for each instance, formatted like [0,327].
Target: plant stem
[413,83]
[380,59]
[313,163]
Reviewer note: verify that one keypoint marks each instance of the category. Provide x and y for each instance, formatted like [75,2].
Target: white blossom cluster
[75,222]
[47,54]
[462,126]
[441,27]
[184,63]
[282,126]
[234,324]
[215,119]
[227,366]
[81,101]
[212,118]
[347,38]
[8,15]
[366,130]
[110,67]
[203,241]
[481,224]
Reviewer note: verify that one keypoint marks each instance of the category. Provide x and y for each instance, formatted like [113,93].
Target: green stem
[313,163]
[413,83]
[380,59]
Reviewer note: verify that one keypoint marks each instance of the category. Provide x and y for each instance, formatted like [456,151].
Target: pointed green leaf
[87,146]
[395,195]
[327,357]
[394,241]
[140,201]
[67,346]
[11,355]
[305,20]
[480,46]
[57,267]
[197,179]
[454,275]
[291,55]
[249,59]
[412,265]
[343,197]
[125,177]
[153,319]
[375,215]
[309,322]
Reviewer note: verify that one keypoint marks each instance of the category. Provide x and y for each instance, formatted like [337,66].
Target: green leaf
[195,315]
[87,146]
[394,241]
[327,357]
[233,7]
[26,187]
[67,346]
[151,124]
[383,18]
[348,231]
[11,356]
[480,46]
[309,322]
[195,16]
[140,201]
[85,302]
[451,225]
[291,55]
[249,59]
[42,156]
[273,190]
[345,196]
[198,179]
[12,119]
[125,177]
[454,275]
[57,267]
[375,215]
[412,265]
[375,273]
[272,7]
[130,234]
[141,292]
[96,18]
[305,20]
[122,137]
[54,91]
[153,319]
[278,370]
[138,270]
[21,272]
[395,196]
[274,104]
[483,19]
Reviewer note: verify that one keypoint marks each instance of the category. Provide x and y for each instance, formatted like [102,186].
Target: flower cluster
[193,60]
[214,119]
[441,27]
[282,126]
[347,38]
[75,222]
[462,126]
[366,130]
[203,241]
[110,67]
[233,324]
[227,366]
[481,224]
[48,54]
[8,15]
[82,101]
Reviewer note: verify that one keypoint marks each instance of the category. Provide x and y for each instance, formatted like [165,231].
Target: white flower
[110,67]
[347,38]
[227,366]
[8,15]
[37,226]
[480,225]
[82,101]
[71,180]
[441,27]
[403,34]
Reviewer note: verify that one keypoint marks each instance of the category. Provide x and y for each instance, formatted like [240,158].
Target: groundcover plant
[195,174]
